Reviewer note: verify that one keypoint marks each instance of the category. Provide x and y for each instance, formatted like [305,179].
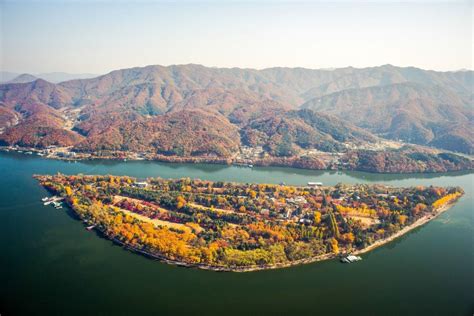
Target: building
[142,184]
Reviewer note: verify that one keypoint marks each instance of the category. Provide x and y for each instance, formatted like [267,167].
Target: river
[51,265]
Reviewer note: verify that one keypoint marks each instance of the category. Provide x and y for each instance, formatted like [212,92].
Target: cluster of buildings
[247,155]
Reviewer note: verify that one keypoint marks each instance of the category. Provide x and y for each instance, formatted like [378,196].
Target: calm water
[51,265]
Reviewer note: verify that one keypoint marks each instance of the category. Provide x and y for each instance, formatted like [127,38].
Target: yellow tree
[402,219]
[348,238]
[334,246]
[181,202]
[68,190]
[317,217]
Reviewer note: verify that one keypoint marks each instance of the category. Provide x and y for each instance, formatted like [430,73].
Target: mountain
[57,77]
[412,112]
[192,110]
[459,82]
[182,133]
[23,78]
[37,92]
[287,133]
[54,77]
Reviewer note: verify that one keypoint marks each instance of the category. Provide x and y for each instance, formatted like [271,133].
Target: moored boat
[350,259]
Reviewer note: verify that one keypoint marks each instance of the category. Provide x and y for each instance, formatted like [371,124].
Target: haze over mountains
[197,110]
[55,77]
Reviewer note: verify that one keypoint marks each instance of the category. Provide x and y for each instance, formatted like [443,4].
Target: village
[245,157]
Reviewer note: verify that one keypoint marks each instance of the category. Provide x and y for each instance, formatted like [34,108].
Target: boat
[57,204]
[90,227]
[315,184]
[45,199]
[350,259]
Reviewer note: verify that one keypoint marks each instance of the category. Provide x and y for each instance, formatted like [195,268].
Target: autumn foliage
[232,226]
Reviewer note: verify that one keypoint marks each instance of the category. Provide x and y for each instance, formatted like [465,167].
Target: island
[225,226]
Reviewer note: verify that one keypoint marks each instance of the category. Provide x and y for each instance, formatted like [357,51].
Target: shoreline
[327,256]
[420,222]
[289,162]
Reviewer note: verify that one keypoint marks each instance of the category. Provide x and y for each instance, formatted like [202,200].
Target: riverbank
[321,162]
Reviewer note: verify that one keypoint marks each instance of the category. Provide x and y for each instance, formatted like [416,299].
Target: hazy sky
[100,36]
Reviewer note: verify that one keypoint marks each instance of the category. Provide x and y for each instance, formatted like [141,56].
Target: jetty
[54,200]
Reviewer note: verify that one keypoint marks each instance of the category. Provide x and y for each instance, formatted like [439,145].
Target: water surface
[51,265]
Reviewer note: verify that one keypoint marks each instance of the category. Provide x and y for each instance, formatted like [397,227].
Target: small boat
[350,259]
[90,227]
[45,199]
[57,204]
[47,202]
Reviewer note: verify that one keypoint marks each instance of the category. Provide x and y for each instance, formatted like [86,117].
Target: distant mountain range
[412,112]
[54,77]
[197,110]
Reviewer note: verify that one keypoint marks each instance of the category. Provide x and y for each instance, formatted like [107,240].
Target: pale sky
[100,36]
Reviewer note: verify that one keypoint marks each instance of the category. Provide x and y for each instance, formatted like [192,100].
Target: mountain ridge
[264,107]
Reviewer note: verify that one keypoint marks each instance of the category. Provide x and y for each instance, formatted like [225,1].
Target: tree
[420,207]
[348,238]
[317,217]
[68,190]
[402,219]
[334,246]
[180,202]
[325,201]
